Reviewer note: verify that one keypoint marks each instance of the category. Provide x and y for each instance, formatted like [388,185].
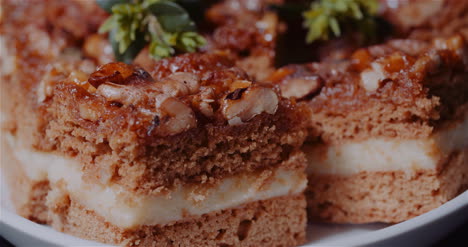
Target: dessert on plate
[388,129]
[188,152]
[125,124]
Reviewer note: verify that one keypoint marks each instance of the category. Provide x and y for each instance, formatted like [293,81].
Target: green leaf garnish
[163,24]
[327,17]
[172,17]
[107,4]
[132,50]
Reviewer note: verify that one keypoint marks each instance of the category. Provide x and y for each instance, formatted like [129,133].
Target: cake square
[388,129]
[188,152]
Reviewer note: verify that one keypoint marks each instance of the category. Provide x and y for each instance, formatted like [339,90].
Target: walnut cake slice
[388,129]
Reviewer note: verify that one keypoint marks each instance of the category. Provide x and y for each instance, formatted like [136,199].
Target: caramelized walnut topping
[297,81]
[155,123]
[139,75]
[371,78]
[180,84]
[254,101]
[119,73]
[384,68]
[120,93]
[175,116]
[301,87]
[361,59]
[112,72]
[237,94]
[79,78]
[188,89]
[240,84]
[156,120]
[204,100]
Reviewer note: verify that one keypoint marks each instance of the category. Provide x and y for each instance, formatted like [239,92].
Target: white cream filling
[8,61]
[385,154]
[125,209]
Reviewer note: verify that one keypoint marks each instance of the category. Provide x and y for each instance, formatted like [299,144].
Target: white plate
[421,230]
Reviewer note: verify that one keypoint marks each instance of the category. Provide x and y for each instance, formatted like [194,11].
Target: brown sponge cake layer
[274,222]
[391,196]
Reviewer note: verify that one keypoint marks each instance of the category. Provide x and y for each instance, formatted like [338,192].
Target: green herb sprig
[326,17]
[163,24]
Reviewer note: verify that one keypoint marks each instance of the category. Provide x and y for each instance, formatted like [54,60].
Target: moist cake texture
[192,138]
[386,125]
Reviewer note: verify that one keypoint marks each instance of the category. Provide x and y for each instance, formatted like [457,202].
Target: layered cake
[188,152]
[388,129]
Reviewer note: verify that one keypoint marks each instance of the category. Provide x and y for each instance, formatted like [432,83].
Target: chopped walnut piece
[372,77]
[119,93]
[119,73]
[239,84]
[204,100]
[237,94]
[301,87]
[175,117]
[81,79]
[254,101]
[361,59]
[180,84]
